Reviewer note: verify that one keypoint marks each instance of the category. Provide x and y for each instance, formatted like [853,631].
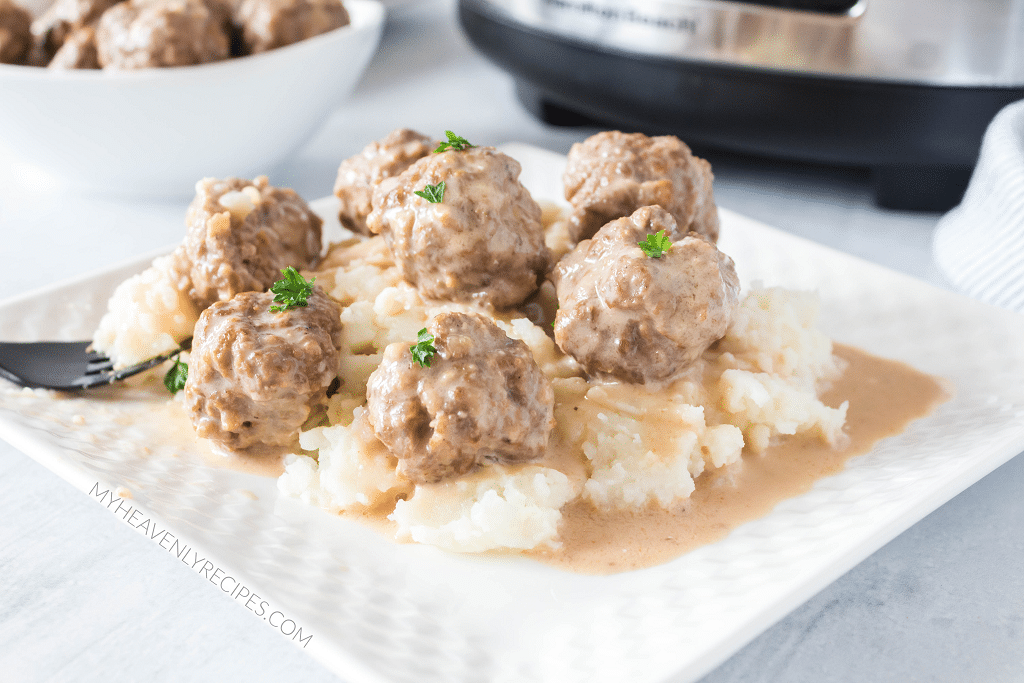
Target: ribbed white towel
[979,245]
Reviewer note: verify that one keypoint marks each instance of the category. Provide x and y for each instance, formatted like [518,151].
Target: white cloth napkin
[979,245]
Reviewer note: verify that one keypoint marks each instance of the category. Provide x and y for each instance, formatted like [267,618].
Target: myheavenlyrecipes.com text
[205,567]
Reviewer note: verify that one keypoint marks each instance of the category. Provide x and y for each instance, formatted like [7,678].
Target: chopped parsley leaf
[432,193]
[176,377]
[656,245]
[291,291]
[455,142]
[423,350]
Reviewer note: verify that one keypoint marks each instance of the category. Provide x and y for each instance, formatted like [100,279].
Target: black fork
[66,366]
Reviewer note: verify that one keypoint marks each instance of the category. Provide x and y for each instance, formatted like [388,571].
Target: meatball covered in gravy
[77,52]
[482,398]
[15,32]
[269,24]
[139,34]
[241,233]
[612,174]
[63,18]
[255,375]
[482,241]
[628,316]
[379,160]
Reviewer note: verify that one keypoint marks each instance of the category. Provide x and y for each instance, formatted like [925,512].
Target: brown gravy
[885,396]
[176,429]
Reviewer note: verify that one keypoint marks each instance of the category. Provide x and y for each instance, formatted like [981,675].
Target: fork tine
[101,371]
[101,364]
[91,381]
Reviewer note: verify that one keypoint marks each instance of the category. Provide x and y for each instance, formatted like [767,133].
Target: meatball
[482,398]
[77,52]
[15,33]
[358,175]
[268,24]
[241,233]
[612,174]
[139,34]
[62,19]
[254,375]
[629,316]
[483,241]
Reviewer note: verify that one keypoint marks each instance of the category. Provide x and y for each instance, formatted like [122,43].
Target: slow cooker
[904,87]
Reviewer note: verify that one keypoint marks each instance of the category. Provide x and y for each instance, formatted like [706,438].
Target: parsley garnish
[176,377]
[455,142]
[291,291]
[432,193]
[656,245]
[423,350]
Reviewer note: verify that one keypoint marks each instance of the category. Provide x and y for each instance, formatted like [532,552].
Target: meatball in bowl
[144,96]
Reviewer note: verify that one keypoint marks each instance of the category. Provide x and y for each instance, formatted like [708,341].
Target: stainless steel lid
[932,42]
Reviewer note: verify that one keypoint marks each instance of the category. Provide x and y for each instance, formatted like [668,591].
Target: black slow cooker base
[910,187]
[920,141]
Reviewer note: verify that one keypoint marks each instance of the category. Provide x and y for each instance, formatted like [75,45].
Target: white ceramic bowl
[158,131]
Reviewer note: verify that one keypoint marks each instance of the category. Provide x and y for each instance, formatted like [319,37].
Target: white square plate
[384,612]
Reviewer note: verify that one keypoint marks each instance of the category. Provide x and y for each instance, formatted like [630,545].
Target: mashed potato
[617,446]
[491,508]
[353,468]
[149,314]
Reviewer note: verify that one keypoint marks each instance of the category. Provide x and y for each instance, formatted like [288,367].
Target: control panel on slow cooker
[825,6]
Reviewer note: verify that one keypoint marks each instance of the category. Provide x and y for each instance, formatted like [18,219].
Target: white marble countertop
[85,598]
